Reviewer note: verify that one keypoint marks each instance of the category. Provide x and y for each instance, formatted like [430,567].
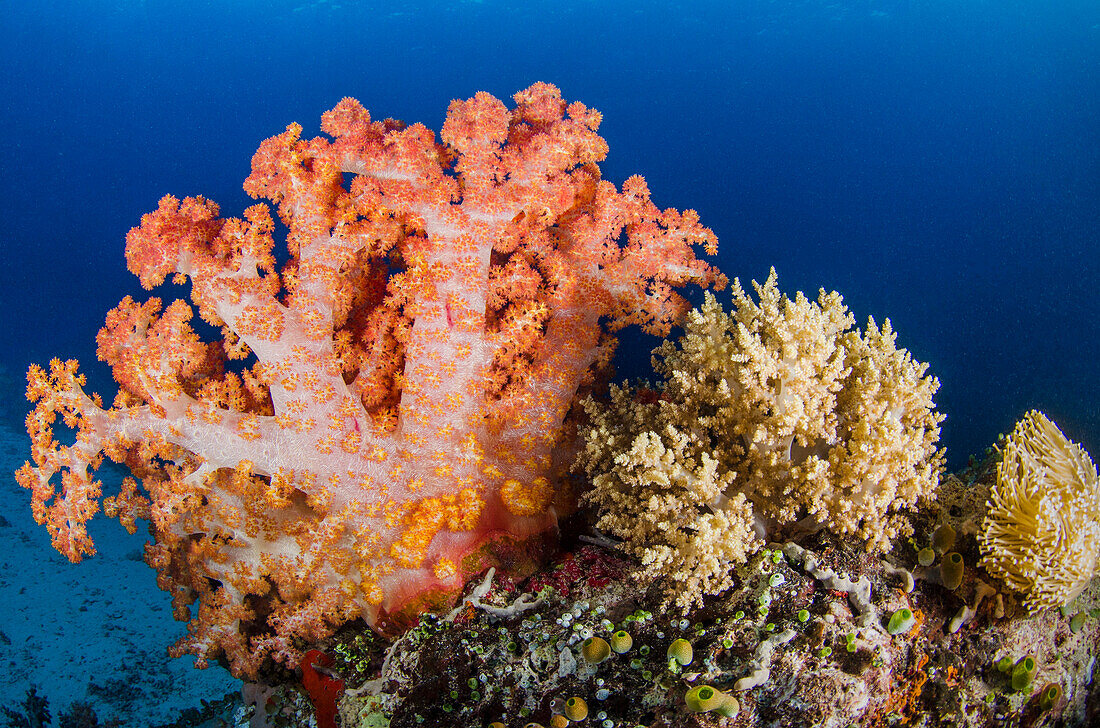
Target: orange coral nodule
[249,427]
[445,570]
[429,516]
[463,511]
[422,523]
[526,500]
[264,323]
[351,442]
[372,591]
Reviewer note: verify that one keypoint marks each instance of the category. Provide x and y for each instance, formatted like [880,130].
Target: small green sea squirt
[707,699]
[901,621]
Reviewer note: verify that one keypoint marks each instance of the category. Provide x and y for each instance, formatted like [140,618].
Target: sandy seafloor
[95,631]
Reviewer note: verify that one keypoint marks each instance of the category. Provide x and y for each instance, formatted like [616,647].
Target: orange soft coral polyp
[407,375]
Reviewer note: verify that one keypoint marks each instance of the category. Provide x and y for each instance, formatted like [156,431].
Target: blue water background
[934,161]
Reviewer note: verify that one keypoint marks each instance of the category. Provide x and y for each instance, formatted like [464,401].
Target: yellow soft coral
[775,413]
[1042,525]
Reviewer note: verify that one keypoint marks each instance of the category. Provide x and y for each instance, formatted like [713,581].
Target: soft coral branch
[402,407]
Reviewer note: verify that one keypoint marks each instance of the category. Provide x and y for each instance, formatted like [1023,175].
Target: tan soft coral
[664,493]
[775,413]
[1042,525]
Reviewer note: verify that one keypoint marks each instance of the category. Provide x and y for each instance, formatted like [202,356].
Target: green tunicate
[952,569]
[1050,695]
[1023,673]
[1078,622]
[707,699]
[680,650]
[926,556]
[576,709]
[595,650]
[703,699]
[803,615]
[901,621]
[943,538]
[621,642]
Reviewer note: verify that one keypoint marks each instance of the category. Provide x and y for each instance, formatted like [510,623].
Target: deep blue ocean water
[935,161]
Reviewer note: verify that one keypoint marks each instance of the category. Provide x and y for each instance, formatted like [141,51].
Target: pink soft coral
[405,379]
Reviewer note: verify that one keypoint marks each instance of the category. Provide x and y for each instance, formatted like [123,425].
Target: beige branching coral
[665,494]
[1041,533]
[776,413]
